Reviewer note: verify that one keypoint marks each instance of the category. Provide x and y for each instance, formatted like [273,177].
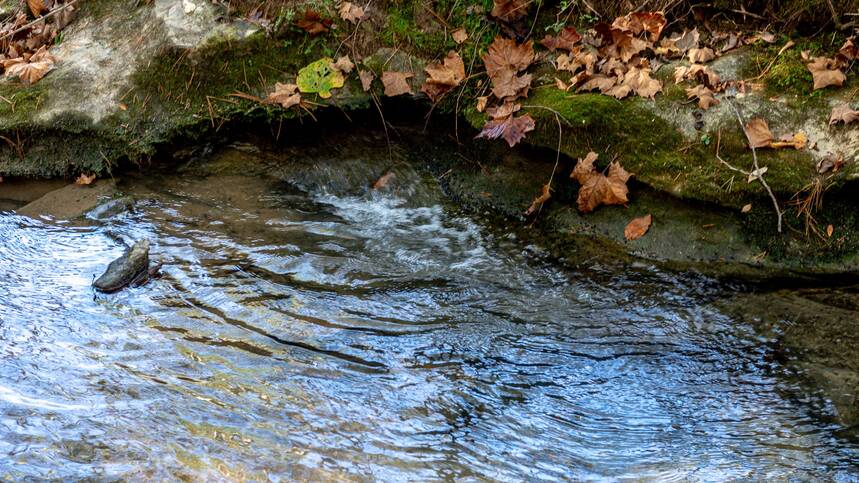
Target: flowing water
[319,336]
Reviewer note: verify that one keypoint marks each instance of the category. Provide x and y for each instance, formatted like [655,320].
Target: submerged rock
[70,202]
[111,208]
[132,266]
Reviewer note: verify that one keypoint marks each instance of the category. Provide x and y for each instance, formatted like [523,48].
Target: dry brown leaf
[638,22]
[312,23]
[596,188]
[576,60]
[746,208]
[383,180]
[503,60]
[343,64]
[826,73]
[84,179]
[396,83]
[848,51]
[637,227]
[639,81]
[759,133]
[350,12]
[601,82]
[510,10]
[704,96]
[832,162]
[444,76]
[757,174]
[537,203]
[829,231]
[843,113]
[566,40]
[481,103]
[562,85]
[697,72]
[37,7]
[31,70]
[619,43]
[701,56]
[511,129]
[459,35]
[366,77]
[796,141]
[284,94]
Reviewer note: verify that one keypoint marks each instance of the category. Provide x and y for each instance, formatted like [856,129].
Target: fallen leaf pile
[24,52]
[598,189]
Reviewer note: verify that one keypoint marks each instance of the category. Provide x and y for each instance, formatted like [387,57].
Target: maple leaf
[619,43]
[701,73]
[343,64]
[537,203]
[601,82]
[639,81]
[566,40]
[758,133]
[285,95]
[84,179]
[444,76]
[825,72]
[312,23]
[459,35]
[637,227]
[503,61]
[350,12]
[701,56]
[37,7]
[503,125]
[396,83]
[598,189]
[509,10]
[843,113]
[704,96]
[638,22]
[577,59]
[366,77]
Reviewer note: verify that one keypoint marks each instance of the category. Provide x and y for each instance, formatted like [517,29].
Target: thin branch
[40,19]
[755,159]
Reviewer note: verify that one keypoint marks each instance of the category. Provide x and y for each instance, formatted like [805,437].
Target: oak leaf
[396,83]
[350,12]
[285,95]
[537,203]
[826,72]
[444,76]
[843,113]
[459,35]
[637,227]
[566,40]
[509,10]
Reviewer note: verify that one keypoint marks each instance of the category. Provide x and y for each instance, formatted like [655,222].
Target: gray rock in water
[111,208]
[125,269]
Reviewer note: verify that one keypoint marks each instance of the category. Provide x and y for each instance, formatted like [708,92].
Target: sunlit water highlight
[312,336]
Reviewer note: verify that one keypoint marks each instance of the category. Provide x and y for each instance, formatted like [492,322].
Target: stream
[317,334]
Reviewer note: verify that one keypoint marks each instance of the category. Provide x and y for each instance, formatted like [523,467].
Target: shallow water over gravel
[314,336]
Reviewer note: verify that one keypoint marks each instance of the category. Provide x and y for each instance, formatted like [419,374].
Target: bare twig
[764,72]
[755,159]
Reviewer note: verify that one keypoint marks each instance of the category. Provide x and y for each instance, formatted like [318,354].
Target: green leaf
[319,77]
